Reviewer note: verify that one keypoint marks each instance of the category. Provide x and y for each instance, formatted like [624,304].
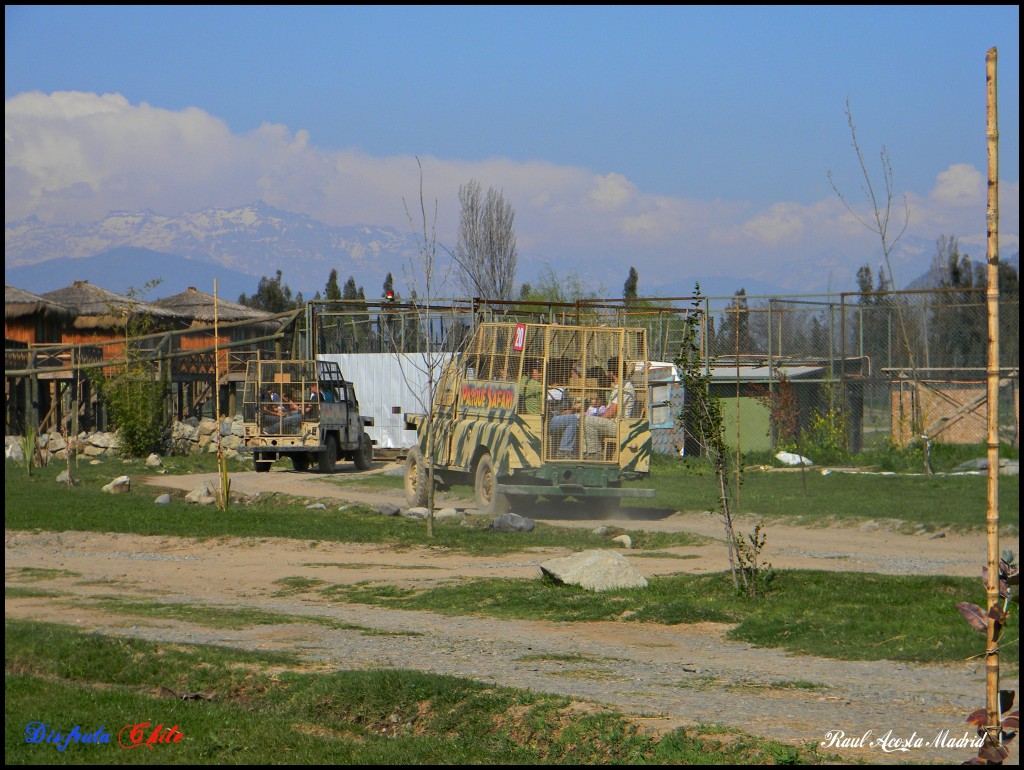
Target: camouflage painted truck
[303,410]
[532,410]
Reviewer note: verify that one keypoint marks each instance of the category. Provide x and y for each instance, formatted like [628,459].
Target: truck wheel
[415,479]
[327,459]
[300,462]
[488,499]
[364,455]
[262,466]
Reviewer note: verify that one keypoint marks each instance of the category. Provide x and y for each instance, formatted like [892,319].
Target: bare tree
[486,248]
[881,223]
[424,281]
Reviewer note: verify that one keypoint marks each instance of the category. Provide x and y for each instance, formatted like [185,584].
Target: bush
[136,403]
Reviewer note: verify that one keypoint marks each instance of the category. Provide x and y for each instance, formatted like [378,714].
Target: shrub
[136,403]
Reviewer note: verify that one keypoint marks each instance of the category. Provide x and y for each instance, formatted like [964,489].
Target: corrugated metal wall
[388,388]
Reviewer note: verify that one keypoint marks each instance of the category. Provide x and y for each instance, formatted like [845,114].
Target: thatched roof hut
[199,307]
[97,308]
[19,303]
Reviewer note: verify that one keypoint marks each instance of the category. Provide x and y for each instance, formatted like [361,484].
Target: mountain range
[237,246]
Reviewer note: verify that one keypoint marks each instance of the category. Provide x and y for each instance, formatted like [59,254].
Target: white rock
[119,485]
[595,570]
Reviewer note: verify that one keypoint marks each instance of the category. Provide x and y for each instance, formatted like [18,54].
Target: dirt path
[664,675]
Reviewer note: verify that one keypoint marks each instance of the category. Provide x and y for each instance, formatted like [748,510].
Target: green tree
[734,331]
[702,421]
[332,292]
[351,292]
[630,287]
[272,296]
[959,326]
[873,320]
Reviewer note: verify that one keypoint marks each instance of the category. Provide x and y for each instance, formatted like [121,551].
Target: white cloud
[959,185]
[73,157]
[781,223]
[612,191]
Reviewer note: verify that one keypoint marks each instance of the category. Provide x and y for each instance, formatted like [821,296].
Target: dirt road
[666,676]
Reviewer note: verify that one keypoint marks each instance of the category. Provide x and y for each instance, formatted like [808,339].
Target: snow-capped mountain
[254,240]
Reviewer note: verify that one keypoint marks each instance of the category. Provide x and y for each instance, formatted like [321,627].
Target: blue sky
[692,137]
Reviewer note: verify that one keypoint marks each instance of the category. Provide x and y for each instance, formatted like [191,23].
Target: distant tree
[356,321]
[734,332]
[272,296]
[486,248]
[958,330]
[388,330]
[332,292]
[350,292]
[630,287]
[874,319]
[552,287]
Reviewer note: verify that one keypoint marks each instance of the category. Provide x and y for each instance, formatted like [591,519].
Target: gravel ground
[664,676]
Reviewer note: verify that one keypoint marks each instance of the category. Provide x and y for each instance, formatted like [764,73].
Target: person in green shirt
[531,389]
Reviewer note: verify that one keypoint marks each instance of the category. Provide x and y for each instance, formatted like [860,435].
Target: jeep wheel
[415,479]
[364,455]
[488,499]
[328,458]
[300,462]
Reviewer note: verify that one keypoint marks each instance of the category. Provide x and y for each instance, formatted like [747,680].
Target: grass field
[274,709]
[40,503]
[935,502]
[249,708]
[841,615]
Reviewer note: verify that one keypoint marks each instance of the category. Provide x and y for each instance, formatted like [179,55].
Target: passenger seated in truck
[567,425]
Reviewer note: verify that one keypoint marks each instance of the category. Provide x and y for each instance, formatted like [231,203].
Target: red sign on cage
[519,341]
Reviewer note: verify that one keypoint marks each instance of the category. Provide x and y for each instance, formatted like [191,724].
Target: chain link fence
[841,372]
[863,370]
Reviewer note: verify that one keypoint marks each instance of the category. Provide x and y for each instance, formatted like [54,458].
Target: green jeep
[303,410]
[534,410]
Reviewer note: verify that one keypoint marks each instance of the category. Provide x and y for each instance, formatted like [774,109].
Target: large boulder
[595,571]
[118,486]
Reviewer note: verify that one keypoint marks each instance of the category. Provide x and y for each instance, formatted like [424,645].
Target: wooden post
[993,717]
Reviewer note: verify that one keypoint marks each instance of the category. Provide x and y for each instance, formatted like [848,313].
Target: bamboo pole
[993,717]
[222,467]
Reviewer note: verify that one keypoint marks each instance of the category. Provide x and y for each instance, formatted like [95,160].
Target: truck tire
[300,462]
[415,479]
[488,499]
[327,459]
[262,466]
[364,454]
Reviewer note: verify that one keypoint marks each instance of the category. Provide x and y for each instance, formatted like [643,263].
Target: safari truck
[532,410]
[304,410]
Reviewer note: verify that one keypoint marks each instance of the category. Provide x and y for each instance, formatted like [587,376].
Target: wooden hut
[31,319]
[102,315]
[198,308]
[237,325]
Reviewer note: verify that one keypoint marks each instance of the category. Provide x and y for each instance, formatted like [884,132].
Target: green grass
[40,503]
[840,615]
[937,502]
[37,574]
[270,709]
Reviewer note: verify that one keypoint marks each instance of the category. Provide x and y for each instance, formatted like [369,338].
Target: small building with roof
[31,319]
